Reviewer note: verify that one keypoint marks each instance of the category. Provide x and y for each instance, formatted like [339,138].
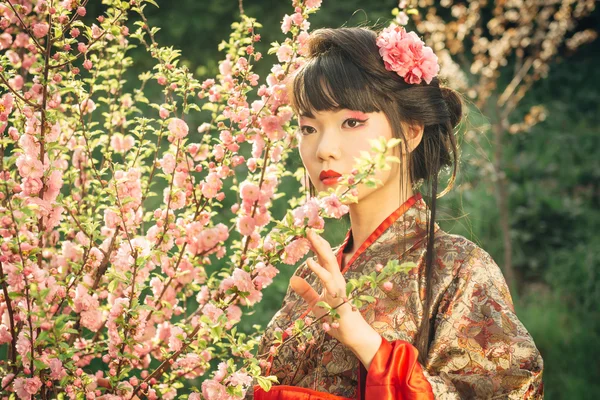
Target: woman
[447,328]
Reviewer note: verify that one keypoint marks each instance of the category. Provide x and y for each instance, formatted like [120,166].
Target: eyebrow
[306,115]
[309,114]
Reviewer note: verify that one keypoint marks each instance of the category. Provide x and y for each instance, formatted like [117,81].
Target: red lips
[329,177]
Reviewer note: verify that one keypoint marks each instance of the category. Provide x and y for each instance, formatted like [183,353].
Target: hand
[352,326]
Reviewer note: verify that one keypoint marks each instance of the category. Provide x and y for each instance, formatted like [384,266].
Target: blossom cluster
[129,236]
[109,203]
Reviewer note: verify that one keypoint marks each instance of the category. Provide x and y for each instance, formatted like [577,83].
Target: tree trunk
[502,197]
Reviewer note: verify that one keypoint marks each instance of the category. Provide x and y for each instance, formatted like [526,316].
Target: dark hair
[344,70]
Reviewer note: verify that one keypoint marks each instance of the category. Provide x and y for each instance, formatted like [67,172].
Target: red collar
[385,224]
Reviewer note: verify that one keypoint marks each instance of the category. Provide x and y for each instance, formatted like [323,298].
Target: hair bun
[454,104]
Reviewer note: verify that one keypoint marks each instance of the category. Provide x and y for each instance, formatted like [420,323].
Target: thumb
[304,290]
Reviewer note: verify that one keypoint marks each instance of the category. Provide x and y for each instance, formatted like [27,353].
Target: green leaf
[324,304]
[264,383]
[366,298]
[112,285]
[39,364]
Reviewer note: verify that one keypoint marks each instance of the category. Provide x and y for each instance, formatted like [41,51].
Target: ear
[414,135]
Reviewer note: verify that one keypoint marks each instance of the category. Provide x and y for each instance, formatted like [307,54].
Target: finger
[325,276]
[304,290]
[323,250]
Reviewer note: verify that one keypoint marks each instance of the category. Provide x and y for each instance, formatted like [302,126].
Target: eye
[307,130]
[354,123]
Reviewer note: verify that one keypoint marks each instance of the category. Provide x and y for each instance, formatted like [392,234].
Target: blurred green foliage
[554,172]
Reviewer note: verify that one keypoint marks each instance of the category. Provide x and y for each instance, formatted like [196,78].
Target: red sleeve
[394,373]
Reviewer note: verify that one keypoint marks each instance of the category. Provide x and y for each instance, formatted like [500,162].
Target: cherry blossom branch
[27,296]
[11,320]
[90,44]
[26,28]
[16,93]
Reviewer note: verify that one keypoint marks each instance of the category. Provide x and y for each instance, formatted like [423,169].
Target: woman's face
[330,141]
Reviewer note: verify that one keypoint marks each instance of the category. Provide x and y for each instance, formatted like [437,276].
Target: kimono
[479,349]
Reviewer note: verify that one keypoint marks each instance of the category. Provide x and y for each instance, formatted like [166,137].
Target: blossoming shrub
[90,274]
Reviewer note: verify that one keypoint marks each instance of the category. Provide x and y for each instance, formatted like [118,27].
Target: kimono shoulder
[480,348]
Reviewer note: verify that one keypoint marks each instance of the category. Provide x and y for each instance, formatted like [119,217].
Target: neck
[371,211]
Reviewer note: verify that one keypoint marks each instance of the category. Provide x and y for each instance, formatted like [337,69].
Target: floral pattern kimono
[479,347]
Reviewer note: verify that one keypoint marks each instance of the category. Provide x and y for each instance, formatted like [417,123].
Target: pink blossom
[23,344]
[402,18]
[129,187]
[333,206]
[96,31]
[53,218]
[249,191]
[211,187]
[31,186]
[5,335]
[29,167]
[5,40]
[221,371]
[87,106]
[52,136]
[203,295]
[163,113]
[82,48]
[406,54]
[53,185]
[168,163]
[21,40]
[95,257]
[225,66]
[192,364]
[174,198]
[313,3]
[175,340]
[57,370]
[286,25]
[25,388]
[83,301]
[296,250]
[240,378]
[308,214]
[213,390]
[87,64]
[92,319]
[284,53]
[246,225]
[212,312]
[40,29]
[242,280]
[178,128]
[265,276]
[5,380]
[234,315]
[298,19]
[387,286]
[271,125]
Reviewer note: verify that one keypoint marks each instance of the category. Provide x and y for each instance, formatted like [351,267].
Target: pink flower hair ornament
[406,54]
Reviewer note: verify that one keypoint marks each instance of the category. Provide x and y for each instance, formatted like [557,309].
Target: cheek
[305,152]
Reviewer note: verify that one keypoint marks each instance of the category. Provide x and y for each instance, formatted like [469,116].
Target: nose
[329,147]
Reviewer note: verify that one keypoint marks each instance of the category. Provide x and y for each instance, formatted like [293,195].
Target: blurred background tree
[528,190]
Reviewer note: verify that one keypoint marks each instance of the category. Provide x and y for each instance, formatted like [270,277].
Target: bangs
[329,82]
